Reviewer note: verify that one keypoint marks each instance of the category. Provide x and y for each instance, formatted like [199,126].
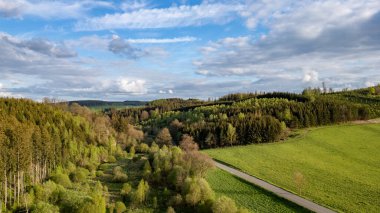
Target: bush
[45,208]
[175,200]
[79,175]
[111,159]
[70,167]
[120,207]
[120,177]
[99,173]
[143,148]
[117,170]
[62,179]
[81,202]
[126,189]
[197,190]
[47,191]
[224,205]
[170,210]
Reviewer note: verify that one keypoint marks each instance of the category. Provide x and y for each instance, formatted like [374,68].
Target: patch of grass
[340,165]
[247,195]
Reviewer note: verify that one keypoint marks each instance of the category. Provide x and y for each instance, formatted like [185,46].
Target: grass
[340,165]
[247,195]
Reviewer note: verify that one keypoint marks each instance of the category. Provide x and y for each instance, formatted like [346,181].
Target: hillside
[238,119]
[59,158]
[339,165]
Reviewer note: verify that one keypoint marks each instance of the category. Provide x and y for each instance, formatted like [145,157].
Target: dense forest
[245,118]
[60,157]
[67,158]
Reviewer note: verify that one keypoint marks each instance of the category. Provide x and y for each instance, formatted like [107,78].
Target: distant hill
[107,104]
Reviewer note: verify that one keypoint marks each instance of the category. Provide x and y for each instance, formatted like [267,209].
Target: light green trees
[141,193]
[224,205]
[126,189]
[120,207]
[197,190]
[147,170]
[231,134]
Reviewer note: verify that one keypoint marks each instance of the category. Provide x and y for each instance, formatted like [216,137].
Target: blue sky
[145,49]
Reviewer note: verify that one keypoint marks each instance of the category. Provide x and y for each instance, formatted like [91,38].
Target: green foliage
[99,173]
[120,177]
[39,140]
[197,190]
[143,148]
[141,193]
[120,207]
[62,179]
[79,175]
[45,208]
[132,152]
[147,170]
[126,189]
[224,205]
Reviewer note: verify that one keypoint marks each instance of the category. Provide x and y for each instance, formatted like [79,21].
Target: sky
[149,49]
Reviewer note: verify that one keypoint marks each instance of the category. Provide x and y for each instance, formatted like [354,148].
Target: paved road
[276,190]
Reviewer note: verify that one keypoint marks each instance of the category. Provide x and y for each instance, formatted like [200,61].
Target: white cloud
[134,5]
[340,49]
[169,91]
[175,16]
[369,84]
[49,9]
[310,76]
[161,40]
[132,86]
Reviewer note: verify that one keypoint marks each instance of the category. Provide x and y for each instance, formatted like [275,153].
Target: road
[276,190]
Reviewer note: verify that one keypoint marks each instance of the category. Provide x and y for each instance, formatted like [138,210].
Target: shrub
[45,207]
[175,200]
[147,170]
[79,175]
[111,159]
[120,177]
[62,179]
[70,167]
[141,193]
[197,190]
[224,205]
[120,207]
[99,173]
[170,210]
[126,189]
[143,148]
[117,170]
[76,201]
[132,152]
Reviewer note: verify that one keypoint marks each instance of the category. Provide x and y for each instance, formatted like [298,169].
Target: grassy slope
[341,165]
[248,196]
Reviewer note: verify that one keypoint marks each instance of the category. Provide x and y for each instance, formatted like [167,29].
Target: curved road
[276,190]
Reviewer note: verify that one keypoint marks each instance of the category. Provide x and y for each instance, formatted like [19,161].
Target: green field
[247,195]
[340,165]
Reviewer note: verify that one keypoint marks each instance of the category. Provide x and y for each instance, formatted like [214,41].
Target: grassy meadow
[337,166]
[247,195]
